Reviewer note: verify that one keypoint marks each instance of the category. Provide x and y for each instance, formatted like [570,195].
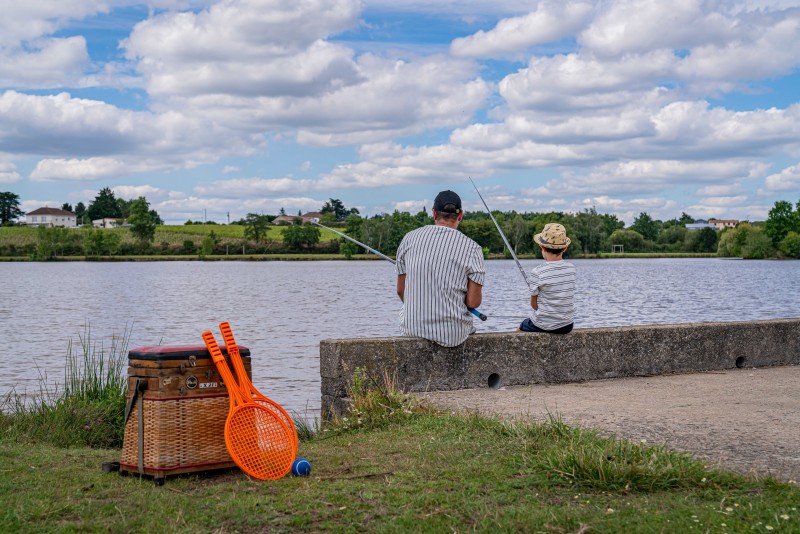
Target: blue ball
[301,467]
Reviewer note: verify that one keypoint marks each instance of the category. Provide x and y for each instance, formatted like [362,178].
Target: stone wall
[510,358]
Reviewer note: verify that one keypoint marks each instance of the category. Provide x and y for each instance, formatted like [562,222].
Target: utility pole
[229,217]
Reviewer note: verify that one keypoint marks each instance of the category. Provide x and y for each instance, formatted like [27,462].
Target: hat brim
[538,239]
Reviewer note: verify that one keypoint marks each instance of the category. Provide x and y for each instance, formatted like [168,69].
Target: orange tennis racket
[246,387]
[257,440]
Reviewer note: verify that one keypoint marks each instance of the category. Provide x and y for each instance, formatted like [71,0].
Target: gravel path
[743,419]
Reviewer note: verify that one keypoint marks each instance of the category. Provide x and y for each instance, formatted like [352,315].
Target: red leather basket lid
[177,352]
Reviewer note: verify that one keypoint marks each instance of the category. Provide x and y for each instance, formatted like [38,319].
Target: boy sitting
[552,285]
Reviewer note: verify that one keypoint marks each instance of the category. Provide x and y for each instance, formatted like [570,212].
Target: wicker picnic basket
[176,412]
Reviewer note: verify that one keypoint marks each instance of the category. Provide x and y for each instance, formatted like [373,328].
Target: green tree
[780,221]
[299,236]
[104,206]
[157,220]
[335,206]
[590,230]
[757,246]
[143,227]
[256,227]
[67,207]
[49,242]
[672,235]
[631,240]
[703,240]
[80,213]
[646,226]
[790,246]
[517,232]
[348,248]
[100,242]
[9,208]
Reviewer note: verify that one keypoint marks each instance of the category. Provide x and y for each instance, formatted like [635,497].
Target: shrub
[790,245]
[87,412]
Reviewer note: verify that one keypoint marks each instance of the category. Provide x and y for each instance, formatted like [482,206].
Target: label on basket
[204,385]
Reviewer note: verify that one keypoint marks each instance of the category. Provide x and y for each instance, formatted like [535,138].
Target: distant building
[51,217]
[699,225]
[286,219]
[311,216]
[721,224]
[109,222]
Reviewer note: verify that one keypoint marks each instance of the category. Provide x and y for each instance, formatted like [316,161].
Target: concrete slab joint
[512,358]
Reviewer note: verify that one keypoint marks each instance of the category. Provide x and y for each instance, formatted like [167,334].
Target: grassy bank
[393,464]
[432,472]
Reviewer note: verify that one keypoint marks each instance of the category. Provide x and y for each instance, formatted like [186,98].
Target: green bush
[87,411]
[790,245]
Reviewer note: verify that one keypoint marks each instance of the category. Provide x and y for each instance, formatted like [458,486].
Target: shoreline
[340,257]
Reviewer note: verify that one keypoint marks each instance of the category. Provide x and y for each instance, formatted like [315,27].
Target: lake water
[281,310]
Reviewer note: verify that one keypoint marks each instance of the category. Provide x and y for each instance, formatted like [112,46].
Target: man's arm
[474,294]
[401,286]
[535,302]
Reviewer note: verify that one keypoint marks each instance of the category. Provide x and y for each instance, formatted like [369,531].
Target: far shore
[340,257]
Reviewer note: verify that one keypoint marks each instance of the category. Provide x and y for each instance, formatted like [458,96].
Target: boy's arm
[535,302]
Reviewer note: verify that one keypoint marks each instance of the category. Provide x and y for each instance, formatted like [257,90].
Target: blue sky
[211,109]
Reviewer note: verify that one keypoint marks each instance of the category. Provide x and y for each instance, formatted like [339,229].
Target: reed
[86,410]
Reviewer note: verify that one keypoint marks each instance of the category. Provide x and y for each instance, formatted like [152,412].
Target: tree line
[591,232]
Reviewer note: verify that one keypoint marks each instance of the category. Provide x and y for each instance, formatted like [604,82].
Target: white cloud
[8,173]
[76,169]
[633,26]
[719,190]
[786,180]
[229,169]
[550,21]
[54,63]
[247,187]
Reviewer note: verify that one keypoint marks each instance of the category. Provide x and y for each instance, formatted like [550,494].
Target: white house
[721,224]
[51,217]
[108,222]
[699,225]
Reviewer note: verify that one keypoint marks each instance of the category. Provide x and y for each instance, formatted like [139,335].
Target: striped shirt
[554,283]
[437,261]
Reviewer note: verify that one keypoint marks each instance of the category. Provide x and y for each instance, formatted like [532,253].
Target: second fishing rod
[473,311]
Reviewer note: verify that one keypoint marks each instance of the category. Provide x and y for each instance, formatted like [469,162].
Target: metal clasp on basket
[192,363]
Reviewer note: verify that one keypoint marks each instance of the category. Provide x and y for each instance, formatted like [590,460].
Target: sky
[216,109]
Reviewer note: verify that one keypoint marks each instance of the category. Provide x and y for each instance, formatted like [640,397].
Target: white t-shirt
[554,283]
[437,261]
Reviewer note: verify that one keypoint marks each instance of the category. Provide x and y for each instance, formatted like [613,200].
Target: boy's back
[554,283]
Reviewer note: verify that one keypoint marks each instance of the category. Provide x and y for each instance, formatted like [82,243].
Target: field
[173,235]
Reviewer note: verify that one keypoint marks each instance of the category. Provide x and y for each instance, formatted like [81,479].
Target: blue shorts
[528,326]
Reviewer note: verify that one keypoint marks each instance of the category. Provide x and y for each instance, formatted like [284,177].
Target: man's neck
[449,224]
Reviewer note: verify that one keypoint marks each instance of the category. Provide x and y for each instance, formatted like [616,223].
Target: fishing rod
[473,311]
[511,250]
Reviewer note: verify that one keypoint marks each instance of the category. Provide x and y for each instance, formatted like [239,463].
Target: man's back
[437,262]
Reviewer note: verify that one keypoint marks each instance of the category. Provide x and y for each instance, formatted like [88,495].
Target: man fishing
[440,276]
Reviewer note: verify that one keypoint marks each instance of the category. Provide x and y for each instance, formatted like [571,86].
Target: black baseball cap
[447,202]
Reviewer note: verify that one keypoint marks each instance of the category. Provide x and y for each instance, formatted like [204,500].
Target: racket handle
[477,314]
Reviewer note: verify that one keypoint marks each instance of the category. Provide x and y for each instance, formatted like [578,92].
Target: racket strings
[259,442]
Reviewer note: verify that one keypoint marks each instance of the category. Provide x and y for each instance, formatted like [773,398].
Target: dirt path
[743,419]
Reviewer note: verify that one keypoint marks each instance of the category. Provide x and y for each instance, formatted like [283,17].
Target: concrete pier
[516,359]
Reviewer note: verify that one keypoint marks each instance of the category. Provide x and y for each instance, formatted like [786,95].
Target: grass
[429,473]
[395,464]
[86,411]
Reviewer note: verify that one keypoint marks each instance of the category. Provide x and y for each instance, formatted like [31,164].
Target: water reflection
[281,310]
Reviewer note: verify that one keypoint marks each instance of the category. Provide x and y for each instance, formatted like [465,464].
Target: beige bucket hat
[554,235]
